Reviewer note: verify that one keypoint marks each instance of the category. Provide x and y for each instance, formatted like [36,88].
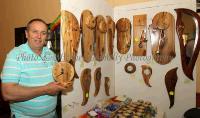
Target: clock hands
[62,72]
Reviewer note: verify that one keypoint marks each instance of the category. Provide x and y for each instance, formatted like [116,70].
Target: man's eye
[35,32]
[44,33]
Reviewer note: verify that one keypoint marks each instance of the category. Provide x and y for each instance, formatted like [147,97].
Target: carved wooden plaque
[139,35]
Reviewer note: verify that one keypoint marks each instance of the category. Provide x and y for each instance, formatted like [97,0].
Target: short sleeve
[11,68]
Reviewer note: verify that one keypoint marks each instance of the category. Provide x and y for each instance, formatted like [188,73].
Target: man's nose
[39,35]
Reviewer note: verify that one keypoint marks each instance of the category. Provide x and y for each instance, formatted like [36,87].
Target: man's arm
[14,92]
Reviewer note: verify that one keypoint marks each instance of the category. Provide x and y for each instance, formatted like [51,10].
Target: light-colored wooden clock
[63,72]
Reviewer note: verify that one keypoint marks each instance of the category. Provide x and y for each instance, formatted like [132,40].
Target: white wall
[98,7]
[133,85]
[123,83]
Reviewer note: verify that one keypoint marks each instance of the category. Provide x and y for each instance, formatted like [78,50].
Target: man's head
[36,33]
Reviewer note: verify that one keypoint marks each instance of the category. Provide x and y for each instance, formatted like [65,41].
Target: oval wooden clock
[63,72]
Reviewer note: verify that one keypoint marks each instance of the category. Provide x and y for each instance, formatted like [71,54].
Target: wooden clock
[63,72]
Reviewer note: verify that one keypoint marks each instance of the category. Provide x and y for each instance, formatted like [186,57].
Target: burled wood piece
[130,68]
[85,84]
[100,38]
[188,64]
[110,35]
[107,85]
[72,62]
[123,27]
[170,83]
[163,40]
[87,25]
[146,73]
[97,80]
[162,20]
[70,31]
[139,35]
[63,72]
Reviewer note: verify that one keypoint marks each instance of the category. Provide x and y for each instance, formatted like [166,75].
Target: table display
[122,107]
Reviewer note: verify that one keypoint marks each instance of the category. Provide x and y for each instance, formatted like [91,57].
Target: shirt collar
[29,50]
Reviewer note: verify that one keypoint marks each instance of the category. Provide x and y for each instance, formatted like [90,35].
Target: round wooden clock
[63,72]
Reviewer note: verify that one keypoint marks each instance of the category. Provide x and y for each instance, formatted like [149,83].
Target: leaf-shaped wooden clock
[63,72]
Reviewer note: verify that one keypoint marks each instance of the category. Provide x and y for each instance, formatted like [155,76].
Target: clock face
[63,72]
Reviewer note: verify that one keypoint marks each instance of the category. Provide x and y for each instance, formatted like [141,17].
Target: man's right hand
[54,88]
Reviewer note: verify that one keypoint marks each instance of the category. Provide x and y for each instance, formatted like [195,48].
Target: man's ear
[26,33]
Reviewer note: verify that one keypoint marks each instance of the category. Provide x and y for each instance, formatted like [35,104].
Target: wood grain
[139,35]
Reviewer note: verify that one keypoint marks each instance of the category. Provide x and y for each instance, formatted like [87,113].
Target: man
[27,81]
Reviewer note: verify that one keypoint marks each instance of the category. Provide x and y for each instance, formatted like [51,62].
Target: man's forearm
[15,92]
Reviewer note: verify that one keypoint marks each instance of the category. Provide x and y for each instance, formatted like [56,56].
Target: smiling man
[27,81]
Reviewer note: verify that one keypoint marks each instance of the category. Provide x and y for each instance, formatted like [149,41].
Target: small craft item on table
[100,38]
[70,31]
[110,35]
[123,27]
[107,85]
[63,72]
[139,35]
[87,25]
[124,107]
[170,83]
[97,80]
[162,36]
[146,73]
[137,109]
[85,84]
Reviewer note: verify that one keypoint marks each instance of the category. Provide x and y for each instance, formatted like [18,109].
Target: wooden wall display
[162,36]
[170,83]
[107,85]
[100,38]
[123,27]
[87,26]
[139,35]
[85,84]
[97,80]
[187,27]
[130,68]
[70,32]
[110,35]
[63,72]
[146,73]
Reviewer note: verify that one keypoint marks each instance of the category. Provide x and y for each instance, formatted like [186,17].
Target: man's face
[36,35]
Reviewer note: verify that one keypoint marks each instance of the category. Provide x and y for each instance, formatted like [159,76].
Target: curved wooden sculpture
[139,35]
[87,25]
[123,26]
[100,38]
[71,36]
[146,73]
[107,85]
[187,28]
[97,80]
[85,84]
[170,83]
[110,35]
[130,68]
[63,72]
[163,37]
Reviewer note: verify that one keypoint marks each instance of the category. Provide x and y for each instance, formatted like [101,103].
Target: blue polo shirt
[24,67]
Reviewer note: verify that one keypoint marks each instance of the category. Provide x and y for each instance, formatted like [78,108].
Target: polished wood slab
[87,25]
[139,35]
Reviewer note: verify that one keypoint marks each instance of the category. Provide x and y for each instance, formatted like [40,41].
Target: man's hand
[68,84]
[54,88]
